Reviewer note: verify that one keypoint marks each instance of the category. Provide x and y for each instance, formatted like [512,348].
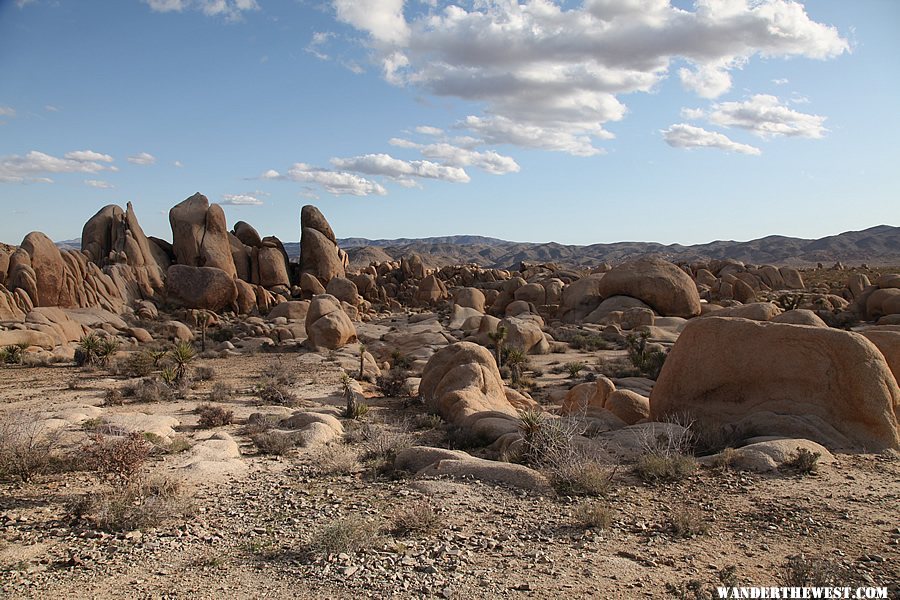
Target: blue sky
[576,122]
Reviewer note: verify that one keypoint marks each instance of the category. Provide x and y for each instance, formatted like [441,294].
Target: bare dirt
[252,533]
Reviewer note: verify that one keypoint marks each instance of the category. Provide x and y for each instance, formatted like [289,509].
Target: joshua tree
[204,320]
[362,360]
[498,337]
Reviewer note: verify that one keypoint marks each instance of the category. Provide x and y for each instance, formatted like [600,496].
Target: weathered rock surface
[206,288]
[327,325]
[660,284]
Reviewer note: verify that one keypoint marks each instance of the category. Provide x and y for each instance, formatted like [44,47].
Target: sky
[577,122]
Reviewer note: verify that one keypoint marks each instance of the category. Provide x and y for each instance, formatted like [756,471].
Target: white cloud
[429,130]
[549,75]
[688,136]
[334,182]
[766,116]
[319,39]
[89,155]
[241,200]
[7,111]
[28,168]
[456,156]
[144,159]
[782,81]
[382,19]
[97,183]
[388,166]
[230,9]
[177,164]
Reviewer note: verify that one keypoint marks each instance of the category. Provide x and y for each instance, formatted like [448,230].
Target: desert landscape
[208,418]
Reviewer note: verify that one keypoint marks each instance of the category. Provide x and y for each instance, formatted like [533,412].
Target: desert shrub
[802,571]
[592,515]
[272,443]
[427,422]
[118,459]
[106,350]
[417,517]
[181,356]
[381,443]
[204,373]
[274,392]
[347,535]
[656,468]
[688,522]
[393,385]
[458,437]
[138,364]
[584,341]
[26,448]
[88,351]
[278,372]
[803,461]
[338,459]
[549,444]
[574,368]
[647,360]
[14,354]
[213,416]
[221,392]
[149,390]
[222,334]
[141,504]
[260,423]
[113,397]
[694,589]
[789,301]
[399,361]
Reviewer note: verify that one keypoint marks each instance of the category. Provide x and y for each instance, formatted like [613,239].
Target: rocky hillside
[875,246]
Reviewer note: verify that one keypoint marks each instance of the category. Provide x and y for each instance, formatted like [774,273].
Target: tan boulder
[49,271]
[663,286]
[294,310]
[799,316]
[344,290]
[629,406]
[828,385]
[533,293]
[882,302]
[611,305]
[272,266]
[327,325]
[524,333]
[856,283]
[756,311]
[793,280]
[205,288]
[247,234]
[431,290]
[200,235]
[469,297]
[888,343]
[580,298]
[311,285]
[587,395]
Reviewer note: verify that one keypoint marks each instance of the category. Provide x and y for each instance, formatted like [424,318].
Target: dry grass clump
[149,390]
[275,392]
[338,459]
[213,416]
[802,571]
[593,515]
[688,522]
[347,535]
[118,459]
[666,457]
[26,448]
[804,461]
[141,504]
[221,392]
[137,364]
[551,445]
[417,517]
[273,443]
[381,443]
[204,373]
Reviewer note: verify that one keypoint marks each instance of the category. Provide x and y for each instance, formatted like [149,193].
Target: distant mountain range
[875,246]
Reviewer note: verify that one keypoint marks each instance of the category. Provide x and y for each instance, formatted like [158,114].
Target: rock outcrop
[200,235]
[319,252]
[663,286]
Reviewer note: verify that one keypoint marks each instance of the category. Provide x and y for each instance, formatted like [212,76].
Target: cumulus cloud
[388,166]
[549,75]
[241,200]
[144,159]
[766,116]
[490,161]
[31,167]
[98,183]
[429,130]
[688,136]
[229,9]
[334,182]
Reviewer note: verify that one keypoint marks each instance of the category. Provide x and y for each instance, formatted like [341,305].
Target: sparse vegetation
[213,416]
[419,517]
[803,461]
[688,522]
[273,443]
[338,459]
[221,392]
[666,456]
[574,368]
[274,392]
[138,364]
[118,459]
[592,515]
[140,504]
[646,358]
[347,535]
[149,390]
[12,354]
[88,352]
[498,337]
[803,571]
[393,385]
[381,443]
[517,361]
[181,356]
[26,448]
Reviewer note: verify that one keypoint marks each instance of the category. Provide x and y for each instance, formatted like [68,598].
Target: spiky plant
[362,360]
[88,350]
[574,368]
[107,349]
[516,360]
[169,376]
[182,354]
[158,356]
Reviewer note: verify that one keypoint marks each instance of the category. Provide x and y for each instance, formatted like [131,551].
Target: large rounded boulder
[663,286]
[327,325]
[823,384]
[205,288]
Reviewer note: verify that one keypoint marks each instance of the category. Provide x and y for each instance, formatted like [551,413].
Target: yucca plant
[88,350]
[516,360]
[106,350]
[158,356]
[204,319]
[182,354]
[362,360]
[498,338]
[169,376]
[12,354]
